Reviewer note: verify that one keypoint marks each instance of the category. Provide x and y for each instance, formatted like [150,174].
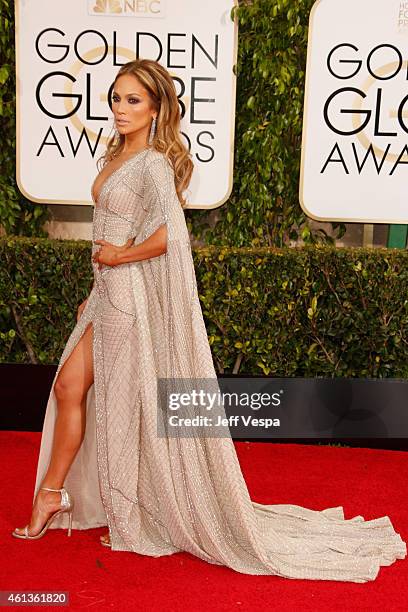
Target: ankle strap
[66,499]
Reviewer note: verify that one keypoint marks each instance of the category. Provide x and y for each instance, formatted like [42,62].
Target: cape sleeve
[157,195]
[165,287]
[173,351]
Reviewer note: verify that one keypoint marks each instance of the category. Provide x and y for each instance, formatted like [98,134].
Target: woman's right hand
[81,308]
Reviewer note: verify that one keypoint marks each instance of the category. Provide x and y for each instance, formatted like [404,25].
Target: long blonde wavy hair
[162,93]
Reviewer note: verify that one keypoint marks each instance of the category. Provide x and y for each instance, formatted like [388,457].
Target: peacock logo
[107,6]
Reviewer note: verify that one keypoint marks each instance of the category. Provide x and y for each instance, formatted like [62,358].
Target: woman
[142,321]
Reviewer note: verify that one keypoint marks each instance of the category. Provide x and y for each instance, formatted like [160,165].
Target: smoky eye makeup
[115,98]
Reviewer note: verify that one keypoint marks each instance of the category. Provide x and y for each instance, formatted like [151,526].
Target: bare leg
[71,387]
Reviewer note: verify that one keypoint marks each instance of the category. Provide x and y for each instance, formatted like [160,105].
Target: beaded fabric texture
[159,495]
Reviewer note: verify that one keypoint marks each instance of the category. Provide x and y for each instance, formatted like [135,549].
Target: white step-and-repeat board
[355,128]
[68,54]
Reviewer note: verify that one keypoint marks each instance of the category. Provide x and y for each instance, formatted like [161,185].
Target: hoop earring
[152,131]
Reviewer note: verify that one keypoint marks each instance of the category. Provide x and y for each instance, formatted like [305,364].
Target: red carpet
[369,482]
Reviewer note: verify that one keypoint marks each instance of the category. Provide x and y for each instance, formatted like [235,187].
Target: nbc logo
[130,8]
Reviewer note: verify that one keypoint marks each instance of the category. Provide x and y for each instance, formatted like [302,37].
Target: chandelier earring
[152,131]
[116,134]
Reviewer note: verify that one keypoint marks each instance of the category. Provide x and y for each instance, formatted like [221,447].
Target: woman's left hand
[108,254]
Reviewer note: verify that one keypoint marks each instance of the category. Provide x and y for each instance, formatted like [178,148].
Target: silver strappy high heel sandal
[67,504]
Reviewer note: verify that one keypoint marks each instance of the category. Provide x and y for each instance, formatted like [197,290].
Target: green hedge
[312,311]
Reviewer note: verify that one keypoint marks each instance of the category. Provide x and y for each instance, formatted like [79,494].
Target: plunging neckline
[95,201]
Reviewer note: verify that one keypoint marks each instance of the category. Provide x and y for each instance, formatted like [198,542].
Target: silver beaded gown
[159,495]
